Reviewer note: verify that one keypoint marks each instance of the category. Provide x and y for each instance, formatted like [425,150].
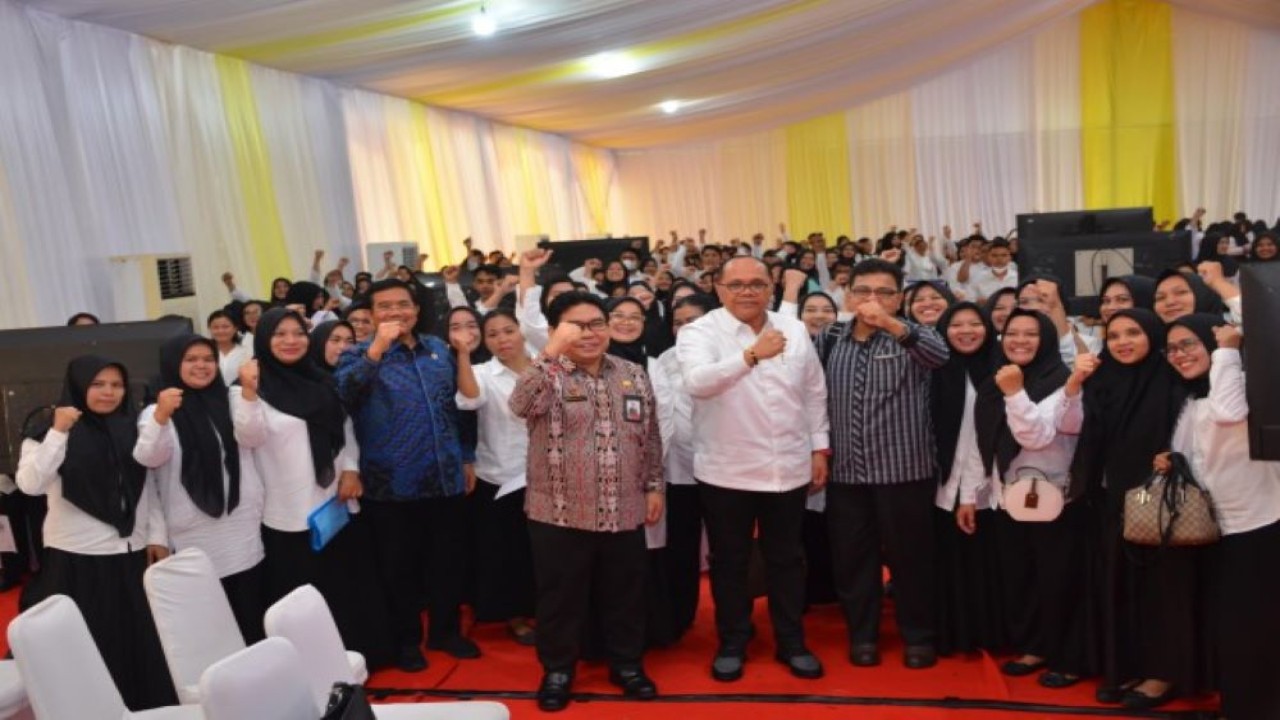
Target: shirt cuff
[1020,401]
[819,441]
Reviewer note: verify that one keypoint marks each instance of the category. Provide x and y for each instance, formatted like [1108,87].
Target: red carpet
[949,691]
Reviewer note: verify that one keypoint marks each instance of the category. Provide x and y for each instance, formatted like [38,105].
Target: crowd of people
[552,450]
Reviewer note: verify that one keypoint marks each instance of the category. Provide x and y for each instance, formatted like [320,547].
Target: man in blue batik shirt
[399,388]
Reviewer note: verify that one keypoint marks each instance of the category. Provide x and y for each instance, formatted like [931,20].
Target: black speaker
[1260,286]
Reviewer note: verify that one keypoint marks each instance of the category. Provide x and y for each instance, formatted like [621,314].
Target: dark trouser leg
[730,519]
[398,538]
[1248,624]
[855,558]
[905,518]
[562,561]
[1020,601]
[684,553]
[618,578]
[781,520]
[289,564]
[446,524]
[244,592]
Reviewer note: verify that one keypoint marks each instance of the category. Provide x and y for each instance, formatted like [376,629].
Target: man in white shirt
[1000,272]
[760,409]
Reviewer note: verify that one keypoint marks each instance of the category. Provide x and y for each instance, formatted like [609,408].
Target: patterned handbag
[1170,510]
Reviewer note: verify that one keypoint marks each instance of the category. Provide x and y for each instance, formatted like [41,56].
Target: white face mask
[630,265]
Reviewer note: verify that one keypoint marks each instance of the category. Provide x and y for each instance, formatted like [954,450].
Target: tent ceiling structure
[734,66]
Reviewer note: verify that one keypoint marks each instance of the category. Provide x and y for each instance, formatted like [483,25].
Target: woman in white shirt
[1212,432]
[1044,563]
[684,511]
[232,351]
[206,485]
[970,614]
[287,412]
[103,525]
[504,562]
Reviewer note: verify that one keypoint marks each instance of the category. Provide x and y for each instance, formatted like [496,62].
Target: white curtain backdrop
[1260,194]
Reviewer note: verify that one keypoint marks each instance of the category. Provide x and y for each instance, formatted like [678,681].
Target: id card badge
[574,392]
[633,408]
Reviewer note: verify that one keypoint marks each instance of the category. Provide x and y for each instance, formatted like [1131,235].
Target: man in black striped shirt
[882,474]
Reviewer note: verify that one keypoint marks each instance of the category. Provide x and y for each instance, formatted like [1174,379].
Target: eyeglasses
[862,291]
[1185,347]
[737,288]
[626,317]
[593,326]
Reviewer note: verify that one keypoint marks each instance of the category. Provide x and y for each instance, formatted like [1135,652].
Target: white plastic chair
[303,618]
[13,694]
[193,617]
[264,681]
[65,675]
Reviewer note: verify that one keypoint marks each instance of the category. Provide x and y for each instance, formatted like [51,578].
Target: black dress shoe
[1013,668]
[727,667]
[865,655]
[411,659]
[1134,700]
[919,657]
[553,693]
[1113,694]
[634,683]
[802,663]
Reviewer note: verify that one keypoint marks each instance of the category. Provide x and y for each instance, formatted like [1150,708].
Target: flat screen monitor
[1084,262]
[33,364]
[1260,288]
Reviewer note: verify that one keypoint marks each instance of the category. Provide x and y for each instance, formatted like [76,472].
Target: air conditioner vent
[174,276]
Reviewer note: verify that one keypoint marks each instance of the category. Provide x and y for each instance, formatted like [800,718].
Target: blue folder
[325,521]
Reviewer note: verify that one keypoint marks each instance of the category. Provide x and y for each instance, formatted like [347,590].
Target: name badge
[632,408]
[574,392]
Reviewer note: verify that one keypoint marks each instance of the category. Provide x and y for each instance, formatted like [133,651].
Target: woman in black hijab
[925,302]
[102,528]
[287,410]
[309,295]
[1123,292]
[626,330]
[1152,611]
[1180,294]
[328,341]
[208,486]
[657,329]
[969,599]
[1215,246]
[1043,563]
[999,305]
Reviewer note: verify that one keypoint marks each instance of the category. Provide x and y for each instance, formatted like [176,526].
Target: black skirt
[969,605]
[108,590]
[504,587]
[345,574]
[683,555]
[1248,625]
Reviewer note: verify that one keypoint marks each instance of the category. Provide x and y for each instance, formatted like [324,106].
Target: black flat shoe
[1134,700]
[919,657]
[411,660]
[864,655]
[1013,668]
[802,663]
[1056,681]
[1113,694]
[634,683]
[457,646]
[553,693]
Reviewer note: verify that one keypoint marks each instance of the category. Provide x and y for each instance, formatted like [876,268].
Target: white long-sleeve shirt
[919,267]
[229,363]
[233,542]
[282,450]
[968,483]
[1213,434]
[675,417]
[533,324]
[503,447]
[1036,428]
[757,427]
[67,527]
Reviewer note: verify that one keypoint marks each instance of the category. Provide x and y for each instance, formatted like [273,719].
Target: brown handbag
[1170,510]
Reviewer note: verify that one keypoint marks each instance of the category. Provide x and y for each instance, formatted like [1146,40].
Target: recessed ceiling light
[671,107]
[610,65]
[483,23]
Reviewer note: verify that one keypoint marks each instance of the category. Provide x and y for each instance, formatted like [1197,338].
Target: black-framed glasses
[737,288]
[862,291]
[593,326]
[1182,347]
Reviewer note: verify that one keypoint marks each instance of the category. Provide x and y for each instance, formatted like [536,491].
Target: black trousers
[731,517]
[574,568]
[1047,589]
[683,554]
[245,592]
[875,525]
[416,540]
[1248,625]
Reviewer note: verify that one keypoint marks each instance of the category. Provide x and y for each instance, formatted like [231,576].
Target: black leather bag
[348,702]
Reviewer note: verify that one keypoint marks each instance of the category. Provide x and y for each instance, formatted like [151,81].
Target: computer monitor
[1260,288]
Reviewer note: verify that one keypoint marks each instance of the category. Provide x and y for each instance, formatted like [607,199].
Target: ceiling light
[483,23]
[670,107]
[609,65]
